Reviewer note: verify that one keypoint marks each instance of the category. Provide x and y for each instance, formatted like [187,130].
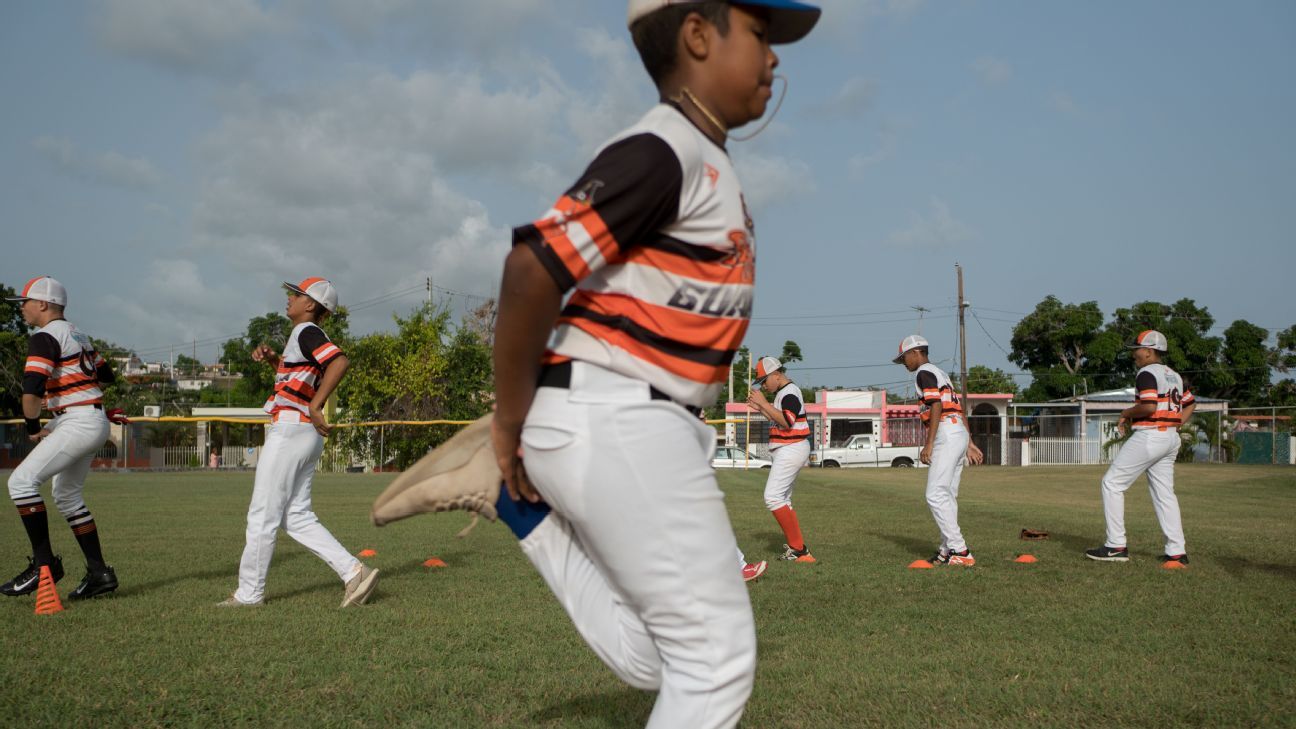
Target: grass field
[856,640]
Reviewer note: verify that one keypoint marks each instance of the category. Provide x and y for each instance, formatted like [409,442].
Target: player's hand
[756,399]
[925,455]
[1122,427]
[39,436]
[118,416]
[507,441]
[264,353]
[974,455]
[317,419]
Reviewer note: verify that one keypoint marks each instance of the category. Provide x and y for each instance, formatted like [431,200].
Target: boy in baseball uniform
[789,442]
[307,372]
[608,484]
[1163,403]
[948,445]
[63,374]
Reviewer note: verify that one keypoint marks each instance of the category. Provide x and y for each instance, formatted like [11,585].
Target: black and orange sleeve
[791,406]
[43,352]
[1146,386]
[316,347]
[928,389]
[630,190]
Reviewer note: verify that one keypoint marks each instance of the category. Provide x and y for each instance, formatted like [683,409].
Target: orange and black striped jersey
[305,357]
[64,368]
[788,400]
[1161,385]
[657,243]
[934,386]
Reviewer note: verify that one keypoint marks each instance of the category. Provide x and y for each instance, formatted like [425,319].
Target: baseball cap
[1152,339]
[43,288]
[913,341]
[319,289]
[790,21]
[765,367]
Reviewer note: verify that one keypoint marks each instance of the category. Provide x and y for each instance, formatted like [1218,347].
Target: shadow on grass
[908,544]
[1237,565]
[1074,543]
[622,708]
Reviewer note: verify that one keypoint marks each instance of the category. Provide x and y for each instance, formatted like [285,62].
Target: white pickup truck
[861,451]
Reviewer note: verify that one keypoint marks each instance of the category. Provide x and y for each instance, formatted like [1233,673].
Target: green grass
[856,640]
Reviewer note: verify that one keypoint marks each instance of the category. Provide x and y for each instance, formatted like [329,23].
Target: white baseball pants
[788,461]
[1153,451]
[943,478]
[638,547]
[65,454]
[281,496]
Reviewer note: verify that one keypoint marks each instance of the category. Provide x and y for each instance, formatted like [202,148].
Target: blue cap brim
[790,21]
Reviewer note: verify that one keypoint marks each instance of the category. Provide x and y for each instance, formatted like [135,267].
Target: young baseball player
[308,371]
[1163,403]
[948,444]
[64,373]
[789,450]
[656,248]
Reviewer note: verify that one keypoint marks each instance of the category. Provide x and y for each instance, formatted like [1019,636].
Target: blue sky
[172,160]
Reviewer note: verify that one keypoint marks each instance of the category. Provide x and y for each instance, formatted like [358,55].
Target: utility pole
[921,310]
[962,336]
[429,292]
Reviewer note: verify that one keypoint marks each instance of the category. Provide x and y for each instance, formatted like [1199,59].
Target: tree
[1053,344]
[424,371]
[739,367]
[1184,324]
[258,377]
[1244,376]
[13,353]
[984,380]
[186,366]
[791,352]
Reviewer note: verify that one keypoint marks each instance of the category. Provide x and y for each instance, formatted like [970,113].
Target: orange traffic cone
[366,553]
[920,564]
[1026,559]
[47,599]
[434,562]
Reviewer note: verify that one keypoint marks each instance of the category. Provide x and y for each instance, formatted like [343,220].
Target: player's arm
[265,353]
[929,393]
[333,372]
[1145,385]
[42,352]
[757,400]
[1189,404]
[528,307]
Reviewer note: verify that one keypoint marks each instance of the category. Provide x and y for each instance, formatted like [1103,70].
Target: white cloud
[107,168]
[1063,103]
[855,98]
[937,228]
[769,180]
[888,141]
[185,34]
[175,300]
[992,71]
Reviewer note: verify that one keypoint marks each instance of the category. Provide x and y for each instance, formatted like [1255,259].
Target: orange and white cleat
[753,570]
[961,559]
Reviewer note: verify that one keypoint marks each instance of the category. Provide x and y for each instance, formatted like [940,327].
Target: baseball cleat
[96,582]
[25,582]
[940,559]
[361,586]
[459,474]
[797,555]
[1109,554]
[753,570]
[234,602]
[962,559]
[1166,559]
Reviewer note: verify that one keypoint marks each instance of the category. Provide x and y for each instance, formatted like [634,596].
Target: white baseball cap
[765,367]
[790,21]
[43,288]
[1152,339]
[913,341]
[319,289]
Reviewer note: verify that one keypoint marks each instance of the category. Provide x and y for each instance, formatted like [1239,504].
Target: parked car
[726,457]
[861,451]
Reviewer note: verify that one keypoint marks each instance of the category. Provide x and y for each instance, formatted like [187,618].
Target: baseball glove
[459,474]
[1031,535]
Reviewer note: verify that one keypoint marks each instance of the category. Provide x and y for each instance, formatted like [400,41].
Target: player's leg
[1129,464]
[300,521]
[87,430]
[946,464]
[638,551]
[275,472]
[1161,487]
[787,463]
[48,458]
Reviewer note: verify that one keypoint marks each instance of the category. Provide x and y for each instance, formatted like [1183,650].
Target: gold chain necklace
[684,91]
